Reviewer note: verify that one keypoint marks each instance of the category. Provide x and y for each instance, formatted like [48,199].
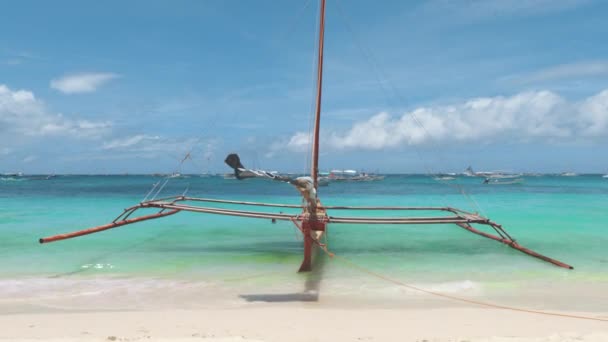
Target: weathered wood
[105,227]
[311,224]
[514,245]
[330,207]
[221,211]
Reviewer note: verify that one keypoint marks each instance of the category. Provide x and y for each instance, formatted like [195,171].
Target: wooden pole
[515,245]
[314,173]
[306,265]
[104,227]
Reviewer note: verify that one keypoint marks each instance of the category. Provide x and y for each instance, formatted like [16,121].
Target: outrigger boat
[312,221]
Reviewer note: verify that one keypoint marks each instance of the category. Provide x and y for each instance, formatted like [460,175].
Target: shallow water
[562,217]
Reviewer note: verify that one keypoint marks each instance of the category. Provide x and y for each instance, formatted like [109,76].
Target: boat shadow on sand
[312,286]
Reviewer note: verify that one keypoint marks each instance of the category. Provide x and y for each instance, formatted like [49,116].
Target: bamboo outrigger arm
[172,205]
[105,227]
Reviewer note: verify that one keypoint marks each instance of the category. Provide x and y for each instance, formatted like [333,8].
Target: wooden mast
[314,220]
[314,173]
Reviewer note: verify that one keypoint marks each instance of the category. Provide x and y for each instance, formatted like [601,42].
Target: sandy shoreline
[139,309]
[302,322]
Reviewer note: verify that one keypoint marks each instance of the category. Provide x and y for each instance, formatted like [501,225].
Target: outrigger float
[314,218]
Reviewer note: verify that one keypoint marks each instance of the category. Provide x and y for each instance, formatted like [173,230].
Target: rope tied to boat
[451,297]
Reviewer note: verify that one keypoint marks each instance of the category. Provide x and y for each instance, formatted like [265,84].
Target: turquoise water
[562,217]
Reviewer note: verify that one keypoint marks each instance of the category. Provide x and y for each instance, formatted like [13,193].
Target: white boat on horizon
[18,174]
[491,174]
[499,181]
[444,177]
[351,176]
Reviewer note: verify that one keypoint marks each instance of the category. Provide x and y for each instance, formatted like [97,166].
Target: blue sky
[114,87]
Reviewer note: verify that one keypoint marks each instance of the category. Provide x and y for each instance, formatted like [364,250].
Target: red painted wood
[515,245]
[104,227]
[315,147]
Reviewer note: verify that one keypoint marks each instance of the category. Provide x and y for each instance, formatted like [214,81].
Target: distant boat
[499,181]
[351,176]
[339,175]
[367,177]
[490,174]
[444,178]
[18,174]
[47,177]
[605,176]
[568,174]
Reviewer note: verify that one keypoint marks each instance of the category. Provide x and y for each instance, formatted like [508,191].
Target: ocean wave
[97,266]
[105,293]
[57,288]
[453,287]
[414,289]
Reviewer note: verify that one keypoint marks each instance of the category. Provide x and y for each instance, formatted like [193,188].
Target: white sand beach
[167,310]
[301,322]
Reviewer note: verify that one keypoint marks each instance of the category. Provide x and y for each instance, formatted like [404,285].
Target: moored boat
[498,181]
[313,217]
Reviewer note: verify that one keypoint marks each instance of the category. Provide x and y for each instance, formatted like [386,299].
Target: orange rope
[465,300]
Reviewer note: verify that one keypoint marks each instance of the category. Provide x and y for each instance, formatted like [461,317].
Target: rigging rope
[389,89]
[160,189]
[150,192]
[456,298]
[295,20]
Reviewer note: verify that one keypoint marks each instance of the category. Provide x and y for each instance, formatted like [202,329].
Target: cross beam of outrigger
[311,226]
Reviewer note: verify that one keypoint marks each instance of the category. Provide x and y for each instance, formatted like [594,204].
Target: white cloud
[565,71]
[129,142]
[299,142]
[497,7]
[209,149]
[29,159]
[594,112]
[150,145]
[21,113]
[5,151]
[524,117]
[82,82]
[13,58]
[481,9]
[13,61]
